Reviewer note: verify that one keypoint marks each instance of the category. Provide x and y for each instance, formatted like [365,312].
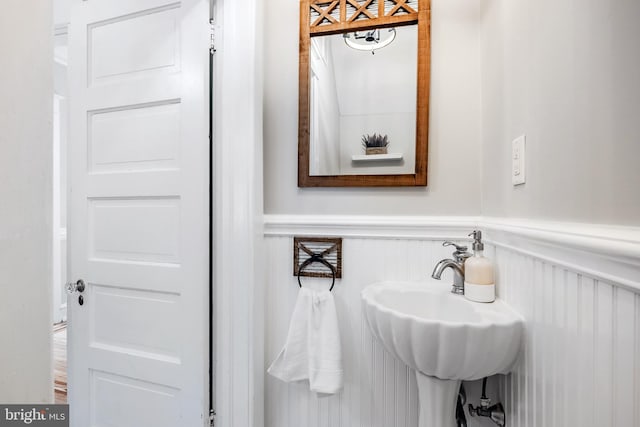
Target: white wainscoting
[581,364]
[581,358]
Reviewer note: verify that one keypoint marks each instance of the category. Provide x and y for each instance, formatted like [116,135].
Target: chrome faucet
[457,266]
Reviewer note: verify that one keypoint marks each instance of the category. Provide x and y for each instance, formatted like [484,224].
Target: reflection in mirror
[362,88]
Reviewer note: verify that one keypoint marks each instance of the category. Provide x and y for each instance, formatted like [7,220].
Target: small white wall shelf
[375,157]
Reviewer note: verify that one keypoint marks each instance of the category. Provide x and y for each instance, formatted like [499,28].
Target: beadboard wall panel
[378,390]
[581,359]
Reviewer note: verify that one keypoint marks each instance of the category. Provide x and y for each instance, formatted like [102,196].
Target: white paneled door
[139,213]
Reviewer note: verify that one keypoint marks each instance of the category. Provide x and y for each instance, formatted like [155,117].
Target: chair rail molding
[372,227]
[605,252]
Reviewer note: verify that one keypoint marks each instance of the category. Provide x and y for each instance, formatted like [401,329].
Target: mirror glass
[362,100]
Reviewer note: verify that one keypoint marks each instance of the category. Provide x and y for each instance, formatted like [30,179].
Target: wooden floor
[60,362]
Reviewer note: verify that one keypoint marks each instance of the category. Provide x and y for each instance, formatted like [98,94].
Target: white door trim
[238,207]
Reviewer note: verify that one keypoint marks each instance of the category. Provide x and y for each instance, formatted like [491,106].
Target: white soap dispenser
[479,284]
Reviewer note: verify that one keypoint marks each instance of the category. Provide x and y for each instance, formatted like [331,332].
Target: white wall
[25,191]
[566,75]
[384,82]
[59,199]
[377,94]
[60,136]
[455,131]
[324,135]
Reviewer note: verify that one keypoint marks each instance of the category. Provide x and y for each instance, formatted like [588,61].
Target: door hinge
[212,418]
[212,32]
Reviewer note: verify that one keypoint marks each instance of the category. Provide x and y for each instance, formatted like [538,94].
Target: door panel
[135,45]
[135,138]
[116,402]
[138,218]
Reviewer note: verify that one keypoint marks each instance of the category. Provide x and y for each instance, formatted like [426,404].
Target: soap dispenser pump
[479,284]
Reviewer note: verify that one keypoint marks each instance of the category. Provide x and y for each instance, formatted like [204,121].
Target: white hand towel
[312,350]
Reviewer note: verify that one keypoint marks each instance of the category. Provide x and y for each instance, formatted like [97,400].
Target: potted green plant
[375,144]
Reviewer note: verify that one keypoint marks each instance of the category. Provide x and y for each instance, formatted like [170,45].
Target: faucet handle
[458,247]
[460,254]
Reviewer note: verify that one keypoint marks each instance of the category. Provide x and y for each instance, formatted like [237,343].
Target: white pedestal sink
[444,337]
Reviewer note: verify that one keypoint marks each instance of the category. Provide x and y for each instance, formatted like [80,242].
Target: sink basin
[442,334]
[444,337]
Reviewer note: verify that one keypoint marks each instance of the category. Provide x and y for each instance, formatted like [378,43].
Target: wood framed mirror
[363,93]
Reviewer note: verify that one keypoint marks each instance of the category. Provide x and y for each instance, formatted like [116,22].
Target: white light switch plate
[518,160]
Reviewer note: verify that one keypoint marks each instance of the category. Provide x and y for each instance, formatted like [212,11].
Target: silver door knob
[78,286]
